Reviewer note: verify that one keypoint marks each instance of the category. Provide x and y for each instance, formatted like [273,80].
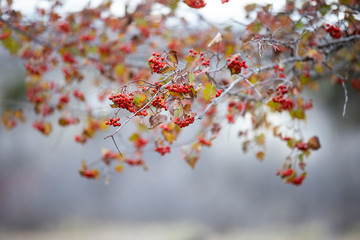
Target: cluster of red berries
[303,146]
[113,122]
[157,63]
[64,27]
[158,103]
[184,123]
[165,127]
[355,84]
[126,102]
[204,142]
[79,95]
[68,57]
[235,65]
[63,100]
[163,150]
[218,92]
[65,121]
[32,70]
[39,125]
[195,3]
[286,104]
[180,88]
[280,70]
[87,38]
[334,32]
[80,139]
[194,53]
[291,174]
[204,62]
[90,174]
[133,162]
[140,142]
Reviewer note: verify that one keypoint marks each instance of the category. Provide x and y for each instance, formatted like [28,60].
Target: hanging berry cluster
[185,122]
[290,176]
[159,103]
[157,63]
[205,62]
[286,104]
[121,100]
[234,65]
[180,88]
[163,150]
[334,32]
[279,70]
[195,3]
[113,122]
[218,92]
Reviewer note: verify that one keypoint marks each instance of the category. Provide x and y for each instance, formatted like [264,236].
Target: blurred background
[229,194]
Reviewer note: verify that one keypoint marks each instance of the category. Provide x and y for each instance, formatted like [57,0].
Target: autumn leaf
[156,120]
[139,98]
[260,155]
[314,143]
[209,92]
[172,58]
[298,113]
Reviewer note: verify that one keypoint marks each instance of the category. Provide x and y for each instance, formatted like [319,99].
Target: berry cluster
[121,100]
[140,142]
[80,139]
[204,62]
[90,174]
[280,70]
[194,53]
[286,104]
[157,63]
[68,57]
[334,32]
[63,100]
[133,162]
[235,65]
[290,176]
[165,127]
[180,88]
[195,3]
[163,150]
[218,92]
[204,142]
[303,146]
[113,122]
[184,123]
[65,121]
[158,103]
[79,95]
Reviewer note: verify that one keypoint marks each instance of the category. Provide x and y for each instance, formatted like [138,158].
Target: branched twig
[26,34]
[142,108]
[251,71]
[342,84]
[339,41]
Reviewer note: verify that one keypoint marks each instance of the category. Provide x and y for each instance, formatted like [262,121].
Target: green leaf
[209,92]
[134,137]
[139,98]
[324,9]
[173,5]
[192,78]
[119,69]
[291,143]
[178,112]
[172,57]
[274,105]
[298,113]
[11,45]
